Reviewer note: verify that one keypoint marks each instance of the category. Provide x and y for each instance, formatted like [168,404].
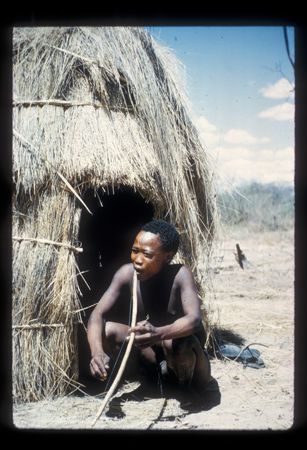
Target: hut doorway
[107,237]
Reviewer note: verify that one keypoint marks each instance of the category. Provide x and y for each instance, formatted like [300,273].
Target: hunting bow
[126,355]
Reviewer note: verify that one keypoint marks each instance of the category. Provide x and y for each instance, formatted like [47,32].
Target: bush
[264,206]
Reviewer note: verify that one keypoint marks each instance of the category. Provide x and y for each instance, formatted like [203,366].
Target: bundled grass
[45,298]
[95,108]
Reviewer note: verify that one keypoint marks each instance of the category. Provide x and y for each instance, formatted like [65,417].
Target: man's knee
[115,332]
[177,347]
[167,345]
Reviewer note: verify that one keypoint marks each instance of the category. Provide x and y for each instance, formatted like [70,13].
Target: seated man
[168,313]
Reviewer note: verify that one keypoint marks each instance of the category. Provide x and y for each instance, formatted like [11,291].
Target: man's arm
[184,326]
[95,328]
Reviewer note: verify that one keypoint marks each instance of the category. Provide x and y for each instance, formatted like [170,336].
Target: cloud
[282,112]
[239,156]
[234,153]
[236,165]
[242,137]
[285,154]
[281,89]
[208,132]
[210,136]
[204,124]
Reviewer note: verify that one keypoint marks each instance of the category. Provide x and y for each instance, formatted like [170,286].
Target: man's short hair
[168,234]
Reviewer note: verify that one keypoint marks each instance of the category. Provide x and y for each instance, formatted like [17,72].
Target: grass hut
[102,140]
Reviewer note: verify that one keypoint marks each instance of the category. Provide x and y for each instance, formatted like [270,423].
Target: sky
[240,84]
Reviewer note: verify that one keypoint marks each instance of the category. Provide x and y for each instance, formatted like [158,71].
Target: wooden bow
[126,355]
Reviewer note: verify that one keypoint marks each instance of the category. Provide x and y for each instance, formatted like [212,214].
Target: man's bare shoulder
[184,276]
[124,274]
[184,271]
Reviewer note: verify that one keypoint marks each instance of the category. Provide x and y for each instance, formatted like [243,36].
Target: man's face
[148,256]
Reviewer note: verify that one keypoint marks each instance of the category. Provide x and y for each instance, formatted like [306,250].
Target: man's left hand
[145,334]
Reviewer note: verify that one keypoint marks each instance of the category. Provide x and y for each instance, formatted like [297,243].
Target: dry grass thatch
[92,108]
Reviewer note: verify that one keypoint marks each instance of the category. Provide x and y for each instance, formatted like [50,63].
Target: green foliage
[263,206]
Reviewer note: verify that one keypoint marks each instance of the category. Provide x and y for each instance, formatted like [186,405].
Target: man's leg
[187,359]
[113,338]
[202,370]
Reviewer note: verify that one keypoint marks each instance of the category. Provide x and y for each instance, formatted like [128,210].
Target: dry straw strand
[59,174]
[47,241]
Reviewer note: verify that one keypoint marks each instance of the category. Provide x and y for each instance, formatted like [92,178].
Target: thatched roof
[102,106]
[96,108]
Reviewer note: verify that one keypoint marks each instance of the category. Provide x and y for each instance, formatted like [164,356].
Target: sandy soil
[256,303]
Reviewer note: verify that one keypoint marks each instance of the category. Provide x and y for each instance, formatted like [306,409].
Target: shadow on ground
[189,401]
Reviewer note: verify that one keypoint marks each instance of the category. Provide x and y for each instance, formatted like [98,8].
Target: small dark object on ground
[241,258]
[250,357]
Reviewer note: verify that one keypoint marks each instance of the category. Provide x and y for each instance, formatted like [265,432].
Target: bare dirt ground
[256,303]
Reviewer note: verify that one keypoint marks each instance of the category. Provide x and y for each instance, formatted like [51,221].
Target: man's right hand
[99,366]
